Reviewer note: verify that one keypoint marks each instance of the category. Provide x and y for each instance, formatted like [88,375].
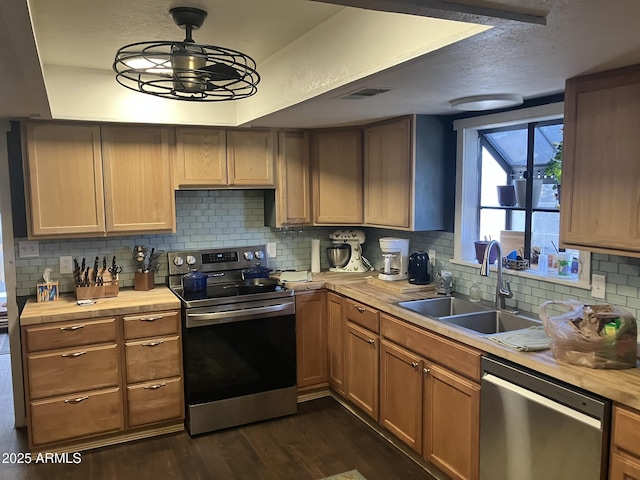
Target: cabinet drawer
[68,371]
[155,401]
[626,429]
[69,334]
[151,325]
[153,358]
[455,356]
[83,414]
[364,316]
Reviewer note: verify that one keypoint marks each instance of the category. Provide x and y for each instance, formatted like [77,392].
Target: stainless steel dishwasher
[533,427]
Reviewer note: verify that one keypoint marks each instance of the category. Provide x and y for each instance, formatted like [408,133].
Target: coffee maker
[395,256]
[355,239]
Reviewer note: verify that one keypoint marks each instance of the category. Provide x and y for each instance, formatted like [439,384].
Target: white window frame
[467,186]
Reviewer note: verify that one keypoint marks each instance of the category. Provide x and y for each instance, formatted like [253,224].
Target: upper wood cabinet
[218,158]
[86,180]
[250,158]
[63,167]
[337,177]
[290,202]
[600,201]
[404,173]
[137,179]
[201,157]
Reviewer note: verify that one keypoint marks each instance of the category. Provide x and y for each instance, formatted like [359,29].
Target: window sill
[530,274]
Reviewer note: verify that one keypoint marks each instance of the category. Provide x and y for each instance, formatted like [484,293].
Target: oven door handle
[236,315]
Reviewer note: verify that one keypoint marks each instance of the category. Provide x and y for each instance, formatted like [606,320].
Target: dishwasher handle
[542,400]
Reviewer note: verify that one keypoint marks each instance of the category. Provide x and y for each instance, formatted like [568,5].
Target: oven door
[239,352]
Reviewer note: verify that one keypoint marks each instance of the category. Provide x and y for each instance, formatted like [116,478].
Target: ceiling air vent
[364,93]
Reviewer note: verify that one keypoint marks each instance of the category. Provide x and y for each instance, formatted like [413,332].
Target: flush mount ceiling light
[186,70]
[479,103]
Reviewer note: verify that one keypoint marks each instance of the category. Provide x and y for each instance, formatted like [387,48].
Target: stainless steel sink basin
[492,321]
[442,306]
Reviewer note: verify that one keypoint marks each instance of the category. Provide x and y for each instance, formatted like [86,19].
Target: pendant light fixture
[186,70]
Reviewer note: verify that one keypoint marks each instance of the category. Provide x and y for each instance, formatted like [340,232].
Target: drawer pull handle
[361,309]
[155,387]
[76,400]
[151,319]
[372,342]
[73,355]
[71,328]
[414,364]
[152,344]
[425,370]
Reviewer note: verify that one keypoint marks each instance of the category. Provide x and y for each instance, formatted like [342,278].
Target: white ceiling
[580,36]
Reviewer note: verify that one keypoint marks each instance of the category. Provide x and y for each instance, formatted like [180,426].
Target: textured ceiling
[580,36]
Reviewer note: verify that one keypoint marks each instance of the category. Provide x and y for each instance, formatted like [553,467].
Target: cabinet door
[600,203]
[387,174]
[311,338]
[137,180]
[337,177]
[362,368]
[63,165]
[155,401]
[624,468]
[250,158]
[293,194]
[401,394]
[451,422]
[201,158]
[335,339]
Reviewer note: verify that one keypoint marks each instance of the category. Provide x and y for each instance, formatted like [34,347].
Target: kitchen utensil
[194,281]
[257,285]
[255,272]
[339,255]
[95,269]
[419,268]
[114,270]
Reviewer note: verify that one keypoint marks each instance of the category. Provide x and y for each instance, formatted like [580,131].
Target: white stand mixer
[355,239]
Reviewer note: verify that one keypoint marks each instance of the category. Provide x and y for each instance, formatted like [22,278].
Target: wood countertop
[622,386]
[126,303]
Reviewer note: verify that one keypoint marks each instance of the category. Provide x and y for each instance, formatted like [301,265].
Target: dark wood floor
[323,439]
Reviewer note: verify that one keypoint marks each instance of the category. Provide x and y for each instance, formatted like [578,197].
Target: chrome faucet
[503,288]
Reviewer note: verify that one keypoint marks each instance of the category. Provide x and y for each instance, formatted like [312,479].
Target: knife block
[108,289]
[143,281]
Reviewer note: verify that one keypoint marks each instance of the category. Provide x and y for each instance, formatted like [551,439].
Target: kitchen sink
[493,321]
[442,306]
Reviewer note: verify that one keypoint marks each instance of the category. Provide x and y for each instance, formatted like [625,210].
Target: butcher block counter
[127,302]
[622,386]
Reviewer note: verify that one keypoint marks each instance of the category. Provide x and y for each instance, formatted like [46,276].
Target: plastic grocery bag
[594,336]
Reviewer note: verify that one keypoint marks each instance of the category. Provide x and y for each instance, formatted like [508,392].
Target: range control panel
[217,260]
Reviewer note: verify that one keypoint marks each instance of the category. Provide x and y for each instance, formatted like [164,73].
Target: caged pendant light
[186,70]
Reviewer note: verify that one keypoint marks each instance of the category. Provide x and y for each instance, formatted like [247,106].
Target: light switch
[598,286]
[28,248]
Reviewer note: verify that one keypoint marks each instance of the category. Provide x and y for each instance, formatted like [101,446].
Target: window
[509,152]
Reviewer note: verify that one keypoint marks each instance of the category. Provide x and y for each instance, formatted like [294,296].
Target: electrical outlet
[432,257]
[66,264]
[271,250]
[598,286]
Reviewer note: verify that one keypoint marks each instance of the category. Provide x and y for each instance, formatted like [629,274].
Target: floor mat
[350,475]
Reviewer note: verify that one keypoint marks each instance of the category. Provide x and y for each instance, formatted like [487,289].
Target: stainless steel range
[239,348]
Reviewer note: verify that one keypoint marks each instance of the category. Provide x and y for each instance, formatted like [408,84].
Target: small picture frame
[47,292]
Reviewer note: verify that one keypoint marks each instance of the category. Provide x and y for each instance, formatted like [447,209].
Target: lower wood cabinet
[311,339]
[401,394]
[362,350]
[625,444]
[94,379]
[451,422]
[335,342]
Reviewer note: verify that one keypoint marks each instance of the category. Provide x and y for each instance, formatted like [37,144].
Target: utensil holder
[108,289]
[143,281]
